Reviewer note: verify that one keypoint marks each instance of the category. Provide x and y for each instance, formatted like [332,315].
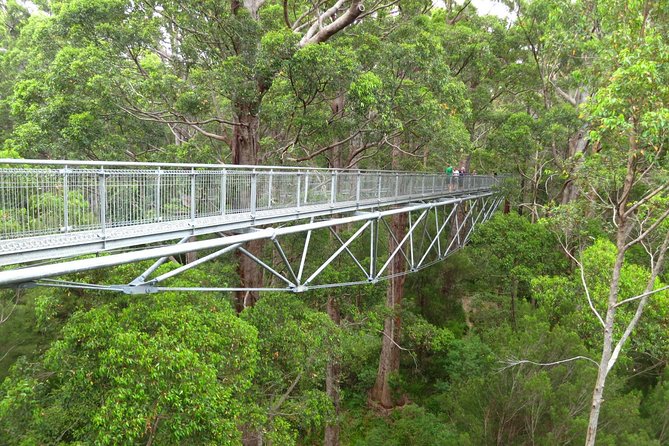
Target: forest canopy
[550,327]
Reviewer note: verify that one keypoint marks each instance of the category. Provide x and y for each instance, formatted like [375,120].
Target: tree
[295,343]
[164,369]
[511,251]
[628,176]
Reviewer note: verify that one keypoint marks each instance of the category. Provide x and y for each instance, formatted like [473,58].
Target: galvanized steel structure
[55,210]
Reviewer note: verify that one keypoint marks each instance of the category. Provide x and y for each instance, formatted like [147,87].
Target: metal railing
[39,197]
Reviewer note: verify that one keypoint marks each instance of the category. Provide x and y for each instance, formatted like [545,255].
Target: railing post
[357,190]
[422,184]
[333,188]
[192,196]
[66,206]
[269,189]
[102,199]
[158,194]
[378,194]
[299,189]
[306,187]
[224,190]
[397,184]
[254,193]
[434,184]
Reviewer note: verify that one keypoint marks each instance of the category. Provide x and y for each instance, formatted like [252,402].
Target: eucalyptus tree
[627,178]
[530,77]
[161,370]
[563,39]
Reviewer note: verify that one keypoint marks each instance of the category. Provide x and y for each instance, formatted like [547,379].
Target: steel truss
[435,230]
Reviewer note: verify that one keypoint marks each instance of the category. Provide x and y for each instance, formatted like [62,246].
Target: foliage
[117,374]
[568,96]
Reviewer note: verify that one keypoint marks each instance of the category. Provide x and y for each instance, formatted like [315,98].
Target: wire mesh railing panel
[129,198]
[41,201]
[174,197]
[264,183]
[317,187]
[346,187]
[387,186]
[32,202]
[82,207]
[369,187]
[238,192]
[284,190]
[208,194]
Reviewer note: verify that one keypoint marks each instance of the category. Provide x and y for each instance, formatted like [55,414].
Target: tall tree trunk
[514,295]
[624,227]
[190,257]
[389,361]
[245,147]
[332,383]
[577,145]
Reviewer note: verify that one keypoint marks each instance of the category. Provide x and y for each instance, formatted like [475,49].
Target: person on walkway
[449,174]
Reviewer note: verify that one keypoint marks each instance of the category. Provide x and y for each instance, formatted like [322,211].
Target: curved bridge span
[122,213]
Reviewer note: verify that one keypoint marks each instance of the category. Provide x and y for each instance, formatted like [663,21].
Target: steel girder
[436,229]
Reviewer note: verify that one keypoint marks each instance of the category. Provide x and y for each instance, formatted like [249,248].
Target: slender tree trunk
[389,360]
[624,228]
[522,194]
[245,147]
[607,349]
[514,295]
[332,383]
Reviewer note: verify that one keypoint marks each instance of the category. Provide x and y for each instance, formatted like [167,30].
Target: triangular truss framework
[434,231]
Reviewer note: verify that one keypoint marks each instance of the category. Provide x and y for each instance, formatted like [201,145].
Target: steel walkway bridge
[63,217]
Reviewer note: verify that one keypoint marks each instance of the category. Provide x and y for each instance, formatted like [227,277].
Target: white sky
[491,7]
[484,7]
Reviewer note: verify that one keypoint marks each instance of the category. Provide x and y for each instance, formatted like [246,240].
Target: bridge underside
[291,261]
[70,244]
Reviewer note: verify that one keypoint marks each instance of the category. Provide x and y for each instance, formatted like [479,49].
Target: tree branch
[639,310]
[645,233]
[333,28]
[512,362]
[641,296]
[646,198]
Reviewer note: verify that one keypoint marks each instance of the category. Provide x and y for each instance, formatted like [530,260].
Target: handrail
[47,162]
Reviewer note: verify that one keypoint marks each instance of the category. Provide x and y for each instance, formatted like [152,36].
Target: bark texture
[389,360]
[245,148]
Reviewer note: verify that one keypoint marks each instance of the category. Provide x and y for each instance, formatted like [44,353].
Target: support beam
[193,264]
[439,231]
[284,258]
[266,267]
[355,260]
[142,277]
[408,236]
[337,252]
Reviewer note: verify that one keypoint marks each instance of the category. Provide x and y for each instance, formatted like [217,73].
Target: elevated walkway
[59,209]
